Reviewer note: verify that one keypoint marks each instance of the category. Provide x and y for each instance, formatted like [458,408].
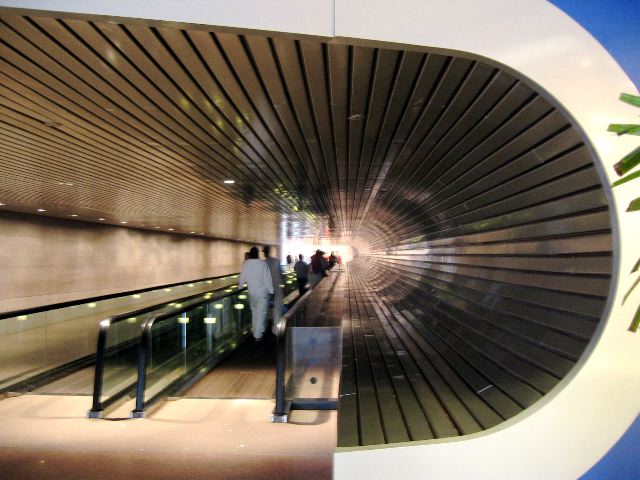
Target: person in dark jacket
[302,274]
[332,260]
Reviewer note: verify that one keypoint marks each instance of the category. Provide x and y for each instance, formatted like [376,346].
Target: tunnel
[479,209]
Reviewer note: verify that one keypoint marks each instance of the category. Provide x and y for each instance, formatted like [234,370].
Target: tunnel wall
[516,306]
[509,255]
[568,430]
[495,240]
[46,260]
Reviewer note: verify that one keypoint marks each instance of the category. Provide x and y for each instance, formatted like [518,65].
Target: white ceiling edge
[312,17]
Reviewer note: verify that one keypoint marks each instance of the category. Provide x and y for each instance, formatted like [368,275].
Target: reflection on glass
[184,344]
[312,348]
[36,343]
[120,367]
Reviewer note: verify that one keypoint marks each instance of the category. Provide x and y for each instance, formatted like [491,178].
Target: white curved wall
[570,429]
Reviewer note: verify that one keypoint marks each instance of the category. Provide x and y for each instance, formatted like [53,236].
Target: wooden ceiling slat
[379,144]
[433,70]
[411,64]
[315,75]
[245,137]
[240,79]
[385,70]
[102,157]
[211,146]
[177,85]
[233,105]
[269,75]
[338,90]
[478,143]
[362,64]
[46,79]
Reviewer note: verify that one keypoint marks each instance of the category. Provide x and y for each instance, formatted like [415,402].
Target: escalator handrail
[145,343]
[281,353]
[104,326]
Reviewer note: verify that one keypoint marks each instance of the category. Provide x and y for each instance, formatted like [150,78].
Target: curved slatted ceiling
[482,222]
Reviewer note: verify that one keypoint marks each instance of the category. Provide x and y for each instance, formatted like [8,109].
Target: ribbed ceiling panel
[146,123]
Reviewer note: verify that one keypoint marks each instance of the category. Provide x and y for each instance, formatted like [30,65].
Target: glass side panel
[184,343]
[23,347]
[33,344]
[315,362]
[72,332]
[121,359]
[289,283]
[314,343]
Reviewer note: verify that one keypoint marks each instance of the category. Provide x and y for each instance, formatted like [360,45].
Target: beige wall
[45,260]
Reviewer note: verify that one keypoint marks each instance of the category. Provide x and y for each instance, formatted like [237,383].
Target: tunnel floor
[48,437]
[248,373]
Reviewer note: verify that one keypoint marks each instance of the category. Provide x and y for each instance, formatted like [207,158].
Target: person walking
[302,274]
[276,278]
[318,267]
[332,260]
[255,273]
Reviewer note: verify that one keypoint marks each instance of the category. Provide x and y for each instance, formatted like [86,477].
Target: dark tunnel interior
[483,231]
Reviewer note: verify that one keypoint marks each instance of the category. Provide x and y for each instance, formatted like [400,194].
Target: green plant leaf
[630,99]
[630,291]
[634,206]
[628,162]
[624,128]
[629,177]
[635,323]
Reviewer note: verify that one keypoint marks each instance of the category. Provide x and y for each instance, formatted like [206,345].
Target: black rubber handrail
[72,303]
[281,409]
[98,405]
[145,345]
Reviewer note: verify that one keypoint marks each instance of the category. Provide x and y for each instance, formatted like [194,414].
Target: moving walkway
[40,347]
[187,333]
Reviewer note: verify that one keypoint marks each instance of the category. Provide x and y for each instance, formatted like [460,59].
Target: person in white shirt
[276,279]
[255,273]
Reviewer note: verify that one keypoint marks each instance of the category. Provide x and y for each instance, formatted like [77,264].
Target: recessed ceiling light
[171,229]
[41,210]
[101,219]
[229,181]
[2,204]
[123,221]
[156,227]
[73,215]
[66,184]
